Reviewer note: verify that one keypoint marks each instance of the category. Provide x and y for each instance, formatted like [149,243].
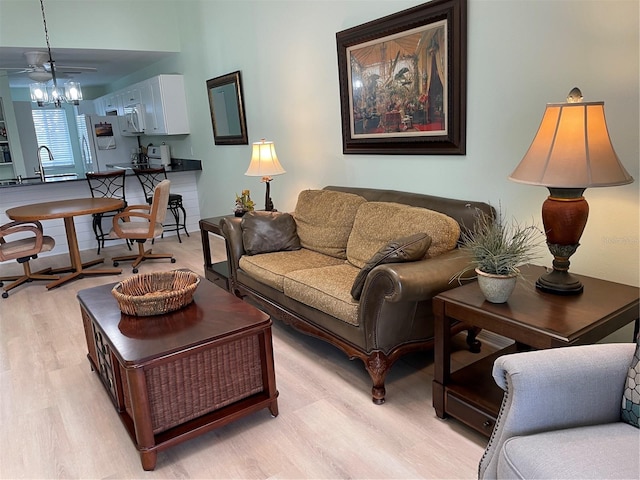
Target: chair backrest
[107,184]
[149,178]
[160,201]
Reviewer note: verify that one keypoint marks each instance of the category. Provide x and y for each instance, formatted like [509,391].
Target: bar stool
[149,178]
[106,185]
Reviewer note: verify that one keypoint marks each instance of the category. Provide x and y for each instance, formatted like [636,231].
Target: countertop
[177,165]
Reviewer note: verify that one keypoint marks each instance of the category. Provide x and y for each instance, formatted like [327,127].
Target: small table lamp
[571,152]
[264,163]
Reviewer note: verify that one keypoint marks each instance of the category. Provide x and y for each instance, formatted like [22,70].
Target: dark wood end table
[175,376]
[530,317]
[217,273]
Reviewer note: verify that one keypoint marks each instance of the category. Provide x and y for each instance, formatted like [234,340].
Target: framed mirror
[227,110]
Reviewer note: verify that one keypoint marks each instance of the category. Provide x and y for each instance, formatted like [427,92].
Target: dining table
[67,210]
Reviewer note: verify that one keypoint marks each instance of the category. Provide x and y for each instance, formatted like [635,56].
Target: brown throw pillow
[406,249]
[264,232]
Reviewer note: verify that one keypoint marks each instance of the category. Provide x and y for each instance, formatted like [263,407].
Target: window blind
[52,131]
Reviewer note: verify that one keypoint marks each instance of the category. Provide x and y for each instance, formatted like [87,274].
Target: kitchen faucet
[40,166]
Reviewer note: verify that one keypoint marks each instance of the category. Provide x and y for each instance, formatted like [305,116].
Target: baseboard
[495,340]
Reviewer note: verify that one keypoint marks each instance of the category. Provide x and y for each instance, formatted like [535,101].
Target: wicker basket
[156,293]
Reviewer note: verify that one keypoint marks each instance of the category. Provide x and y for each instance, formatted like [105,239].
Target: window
[52,130]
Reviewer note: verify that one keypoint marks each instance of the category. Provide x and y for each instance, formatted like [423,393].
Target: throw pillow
[406,249]
[631,396]
[264,232]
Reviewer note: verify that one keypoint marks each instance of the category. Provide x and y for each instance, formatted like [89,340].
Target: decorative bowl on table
[156,293]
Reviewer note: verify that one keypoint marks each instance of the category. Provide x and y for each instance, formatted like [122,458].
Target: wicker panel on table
[208,380]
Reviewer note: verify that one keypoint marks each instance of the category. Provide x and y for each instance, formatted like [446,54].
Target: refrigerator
[102,144]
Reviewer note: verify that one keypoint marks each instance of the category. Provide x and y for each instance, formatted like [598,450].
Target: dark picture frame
[403,82]
[227,109]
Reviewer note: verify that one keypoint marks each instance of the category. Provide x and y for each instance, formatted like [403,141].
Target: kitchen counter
[177,165]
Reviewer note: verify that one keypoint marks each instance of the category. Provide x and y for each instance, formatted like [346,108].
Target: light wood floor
[57,421]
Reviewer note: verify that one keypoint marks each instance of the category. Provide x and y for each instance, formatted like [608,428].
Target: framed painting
[227,110]
[403,82]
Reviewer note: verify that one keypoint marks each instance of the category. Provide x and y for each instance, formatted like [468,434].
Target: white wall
[522,54]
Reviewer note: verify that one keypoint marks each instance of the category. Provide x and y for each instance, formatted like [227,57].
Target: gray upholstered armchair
[560,417]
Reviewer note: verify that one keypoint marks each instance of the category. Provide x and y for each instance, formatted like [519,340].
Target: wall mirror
[227,110]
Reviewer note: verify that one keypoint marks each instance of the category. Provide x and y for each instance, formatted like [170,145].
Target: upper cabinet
[164,101]
[6,163]
[169,106]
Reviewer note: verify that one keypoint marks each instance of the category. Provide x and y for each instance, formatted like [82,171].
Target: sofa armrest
[232,231]
[418,281]
[557,388]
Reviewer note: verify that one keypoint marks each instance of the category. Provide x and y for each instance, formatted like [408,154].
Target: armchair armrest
[135,211]
[421,280]
[34,227]
[557,388]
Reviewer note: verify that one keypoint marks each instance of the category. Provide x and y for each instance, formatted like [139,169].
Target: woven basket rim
[142,305]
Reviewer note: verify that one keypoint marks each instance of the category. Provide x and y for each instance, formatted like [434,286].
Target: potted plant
[244,203]
[497,250]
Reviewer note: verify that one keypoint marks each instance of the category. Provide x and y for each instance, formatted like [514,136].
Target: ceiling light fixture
[72,92]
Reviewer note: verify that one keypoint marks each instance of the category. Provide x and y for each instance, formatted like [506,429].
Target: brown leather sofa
[393,315]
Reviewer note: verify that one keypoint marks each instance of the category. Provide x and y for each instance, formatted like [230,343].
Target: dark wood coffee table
[175,376]
[533,319]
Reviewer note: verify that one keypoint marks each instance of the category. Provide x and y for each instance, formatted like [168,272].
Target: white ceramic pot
[496,288]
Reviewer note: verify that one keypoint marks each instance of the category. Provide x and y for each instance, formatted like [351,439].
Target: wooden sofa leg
[475,345]
[377,364]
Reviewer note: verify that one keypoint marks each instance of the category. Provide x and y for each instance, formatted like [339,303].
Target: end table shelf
[531,318]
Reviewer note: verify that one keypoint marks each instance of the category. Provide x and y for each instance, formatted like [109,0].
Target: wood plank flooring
[57,421]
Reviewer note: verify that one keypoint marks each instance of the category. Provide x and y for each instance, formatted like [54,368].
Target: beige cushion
[326,289]
[324,220]
[24,247]
[270,268]
[377,223]
[136,229]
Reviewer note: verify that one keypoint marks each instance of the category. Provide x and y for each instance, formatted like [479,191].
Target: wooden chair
[149,178]
[28,242]
[149,224]
[106,184]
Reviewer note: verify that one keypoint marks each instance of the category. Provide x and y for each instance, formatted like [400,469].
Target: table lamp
[264,163]
[571,152]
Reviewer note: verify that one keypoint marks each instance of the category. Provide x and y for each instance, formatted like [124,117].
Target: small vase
[496,288]
[239,213]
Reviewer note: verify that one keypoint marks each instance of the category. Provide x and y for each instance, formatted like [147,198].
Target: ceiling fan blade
[73,69]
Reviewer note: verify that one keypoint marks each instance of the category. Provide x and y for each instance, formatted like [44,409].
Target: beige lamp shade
[572,149]
[264,160]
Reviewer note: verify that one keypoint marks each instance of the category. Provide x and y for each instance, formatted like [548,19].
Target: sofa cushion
[406,249]
[264,232]
[377,223]
[270,268]
[325,289]
[600,451]
[324,219]
[631,395]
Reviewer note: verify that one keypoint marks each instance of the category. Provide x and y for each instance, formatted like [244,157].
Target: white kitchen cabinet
[6,162]
[168,112]
[112,103]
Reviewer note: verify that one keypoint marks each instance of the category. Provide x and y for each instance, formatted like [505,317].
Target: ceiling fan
[39,68]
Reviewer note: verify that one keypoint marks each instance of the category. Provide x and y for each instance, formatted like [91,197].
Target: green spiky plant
[498,248]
